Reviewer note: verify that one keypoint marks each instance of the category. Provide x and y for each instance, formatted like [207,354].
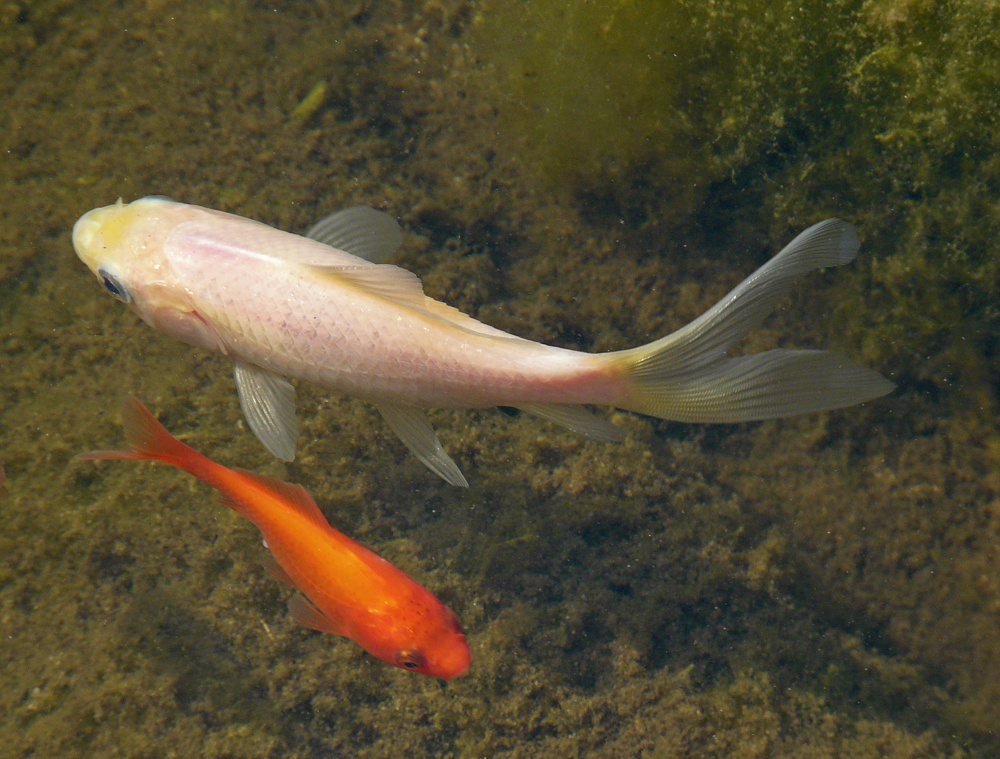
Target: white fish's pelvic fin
[687,376]
[576,418]
[268,403]
[360,231]
[414,429]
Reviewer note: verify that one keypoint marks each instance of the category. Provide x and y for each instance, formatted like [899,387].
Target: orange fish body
[346,589]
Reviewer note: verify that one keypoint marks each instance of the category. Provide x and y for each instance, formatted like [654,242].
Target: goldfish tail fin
[147,439]
[687,376]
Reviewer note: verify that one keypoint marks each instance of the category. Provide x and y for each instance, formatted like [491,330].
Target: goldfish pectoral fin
[360,231]
[305,613]
[413,428]
[268,403]
[576,418]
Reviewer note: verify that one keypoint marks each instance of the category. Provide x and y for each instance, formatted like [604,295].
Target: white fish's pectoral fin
[268,403]
[413,428]
[360,231]
[576,418]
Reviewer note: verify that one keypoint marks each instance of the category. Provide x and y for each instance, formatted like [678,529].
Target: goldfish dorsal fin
[306,614]
[294,495]
[360,231]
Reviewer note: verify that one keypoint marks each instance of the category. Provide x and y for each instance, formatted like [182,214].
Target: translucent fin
[447,313]
[576,418]
[268,403]
[687,376]
[147,440]
[306,614]
[277,572]
[385,280]
[417,434]
[360,231]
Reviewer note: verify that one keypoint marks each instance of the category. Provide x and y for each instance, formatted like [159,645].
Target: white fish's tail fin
[687,376]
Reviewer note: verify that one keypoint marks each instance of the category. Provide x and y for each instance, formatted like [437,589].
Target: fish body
[346,588]
[282,305]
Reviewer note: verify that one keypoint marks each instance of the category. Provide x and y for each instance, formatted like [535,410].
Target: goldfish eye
[409,659]
[113,286]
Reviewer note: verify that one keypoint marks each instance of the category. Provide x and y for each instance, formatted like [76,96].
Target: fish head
[422,636]
[439,651]
[123,245]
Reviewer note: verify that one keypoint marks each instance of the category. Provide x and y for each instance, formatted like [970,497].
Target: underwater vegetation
[768,114]
[823,586]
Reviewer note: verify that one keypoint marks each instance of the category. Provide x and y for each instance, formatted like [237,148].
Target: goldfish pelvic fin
[294,495]
[268,403]
[306,614]
[277,572]
[414,429]
[687,376]
[360,231]
[576,418]
[147,439]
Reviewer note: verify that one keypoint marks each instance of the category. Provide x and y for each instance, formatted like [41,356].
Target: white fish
[321,308]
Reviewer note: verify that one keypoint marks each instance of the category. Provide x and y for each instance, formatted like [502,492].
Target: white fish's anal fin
[306,614]
[576,418]
[417,434]
[268,403]
[360,231]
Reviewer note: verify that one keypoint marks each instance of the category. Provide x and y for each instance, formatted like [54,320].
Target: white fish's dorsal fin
[417,434]
[360,231]
[268,403]
[452,315]
[404,287]
[384,280]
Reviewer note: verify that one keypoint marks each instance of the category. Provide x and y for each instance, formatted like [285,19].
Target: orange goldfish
[345,588]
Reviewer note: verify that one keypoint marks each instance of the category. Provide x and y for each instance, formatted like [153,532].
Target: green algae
[646,105]
[817,587]
[883,112]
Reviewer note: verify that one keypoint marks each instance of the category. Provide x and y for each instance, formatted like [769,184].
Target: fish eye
[113,286]
[409,659]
